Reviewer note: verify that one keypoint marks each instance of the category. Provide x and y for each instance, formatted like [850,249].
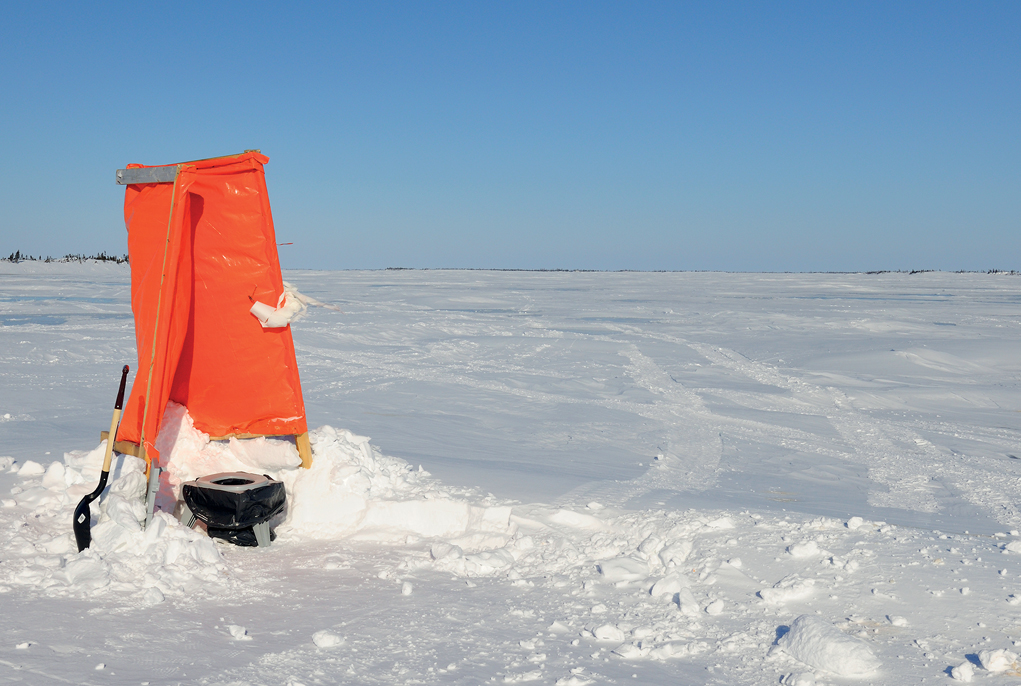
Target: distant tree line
[17,256]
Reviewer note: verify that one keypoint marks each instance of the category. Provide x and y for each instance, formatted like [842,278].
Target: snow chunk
[819,644]
[327,639]
[238,632]
[687,603]
[675,554]
[488,562]
[624,569]
[88,573]
[608,632]
[558,627]
[963,672]
[791,587]
[574,680]
[997,660]
[31,469]
[153,596]
[803,550]
[670,585]
[54,477]
[721,523]
[445,551]
[676,649]
[1012,547]
[631,651]
[577,520]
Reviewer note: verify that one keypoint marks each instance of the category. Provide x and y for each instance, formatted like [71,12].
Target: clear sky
[625,135]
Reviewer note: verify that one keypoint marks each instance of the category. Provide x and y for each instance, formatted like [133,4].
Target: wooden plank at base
[122,447]
[230,436]
[301,441]
[304,449]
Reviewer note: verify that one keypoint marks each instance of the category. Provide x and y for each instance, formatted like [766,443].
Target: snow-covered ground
[572,478]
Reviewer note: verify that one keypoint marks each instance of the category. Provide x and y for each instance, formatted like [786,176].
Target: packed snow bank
[819,644]
[352,490]
[192,454]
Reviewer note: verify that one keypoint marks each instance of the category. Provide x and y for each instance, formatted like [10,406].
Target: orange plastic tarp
[202,251]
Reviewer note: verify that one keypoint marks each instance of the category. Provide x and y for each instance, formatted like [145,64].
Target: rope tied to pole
[155,330]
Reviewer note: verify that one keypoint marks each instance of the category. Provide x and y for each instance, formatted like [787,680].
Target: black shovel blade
[83,523]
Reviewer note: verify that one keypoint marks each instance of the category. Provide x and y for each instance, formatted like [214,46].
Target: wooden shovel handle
[115,421]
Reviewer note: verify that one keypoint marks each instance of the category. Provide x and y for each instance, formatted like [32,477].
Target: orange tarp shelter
[203,251]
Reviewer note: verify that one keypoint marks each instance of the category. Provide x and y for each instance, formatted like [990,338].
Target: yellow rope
[155,330]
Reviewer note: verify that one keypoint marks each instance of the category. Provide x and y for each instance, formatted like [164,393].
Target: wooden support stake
[304,449]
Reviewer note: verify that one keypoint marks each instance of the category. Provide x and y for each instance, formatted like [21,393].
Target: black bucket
[235,506]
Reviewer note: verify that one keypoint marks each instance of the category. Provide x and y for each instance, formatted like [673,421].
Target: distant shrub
[17,256]
[99,257]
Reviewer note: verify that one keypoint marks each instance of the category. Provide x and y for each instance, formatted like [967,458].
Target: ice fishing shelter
[202,251]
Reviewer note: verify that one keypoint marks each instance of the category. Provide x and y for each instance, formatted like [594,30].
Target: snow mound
[327,639]
[30,469]
[819,644]
[791,587]
[624,569]
[351,491]
[803,550]
[141,567]
[354,491]
[963,672]
[997,660]
[670,585]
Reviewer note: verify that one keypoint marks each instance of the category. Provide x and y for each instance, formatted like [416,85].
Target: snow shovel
[82,514]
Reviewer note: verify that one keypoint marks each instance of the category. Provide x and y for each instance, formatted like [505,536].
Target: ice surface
[578,477]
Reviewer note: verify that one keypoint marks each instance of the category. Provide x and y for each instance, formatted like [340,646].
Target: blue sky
[724,136]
